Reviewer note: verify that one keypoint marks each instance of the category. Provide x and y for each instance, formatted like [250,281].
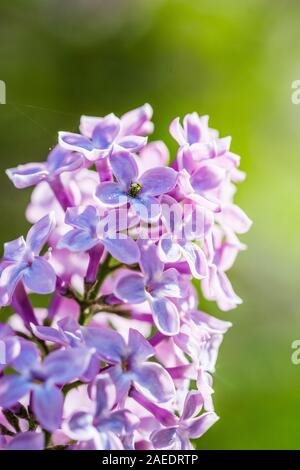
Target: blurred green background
[230,59]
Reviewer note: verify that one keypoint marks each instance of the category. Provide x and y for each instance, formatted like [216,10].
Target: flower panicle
[122,357]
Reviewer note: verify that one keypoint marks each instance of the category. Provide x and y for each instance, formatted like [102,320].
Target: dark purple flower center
[134,189]
[38,381]
[148,289]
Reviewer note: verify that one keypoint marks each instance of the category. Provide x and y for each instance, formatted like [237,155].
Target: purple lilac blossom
[140,192]
[156,285]
[27,441]
[59,161]
[89,231]
[129,364]
[121,252]
[189,426]
[100,136]
[42,380]
[101,430]
[22,262]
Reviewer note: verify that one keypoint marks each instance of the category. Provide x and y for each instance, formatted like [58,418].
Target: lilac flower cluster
[122,356]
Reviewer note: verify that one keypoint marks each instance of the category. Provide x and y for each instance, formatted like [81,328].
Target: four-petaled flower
[129,363]
[189,425]
[141,192]
[155,285]
[43,380]
[59,161]
[197,141]
[101,136]
[21,262]
[101,430]
[89,231]
[183,227]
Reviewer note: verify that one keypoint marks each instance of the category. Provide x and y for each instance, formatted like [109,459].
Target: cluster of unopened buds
[121,357]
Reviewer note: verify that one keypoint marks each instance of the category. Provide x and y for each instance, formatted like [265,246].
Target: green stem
[62,447]
[5,432]
[102,273]
[89,304]
[67,388]
[47,435]
[42,346]
[82,315]
[12,419]
[111,309]
[40,343]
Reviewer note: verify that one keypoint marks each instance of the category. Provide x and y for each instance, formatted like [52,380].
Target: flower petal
[192,127]
[198,222]
[27,358]
[14,250]
[192,405]
[230,299]
[12,389]
[110,345]
[131,289]
[110,194]
[39,233]
[215,324]
[132,143]
[153,155]
[80,426]
[106,131]
[119,422]
[139,348]
[9,279]
[137,121]
[164,438]
[27,441]
[47,333]
[61,160]
[150,264]
[78,241]
[234,217]
[199,426]
[196,259]
[47,404]
[177,132]
[12,350]
[165,316]
[168,285]
[147,207]
[168,250]
[108,441]
[123,249]
[24,176]
[63,366]
[204,385]
[40,277]
[105,395]
[157,181]
[75,142]
[122,381]
[88,124]
[172,214]
[154,382]
[124,168]
[207,177]
[85,218]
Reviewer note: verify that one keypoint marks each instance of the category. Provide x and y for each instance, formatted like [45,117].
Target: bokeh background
[230,59]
